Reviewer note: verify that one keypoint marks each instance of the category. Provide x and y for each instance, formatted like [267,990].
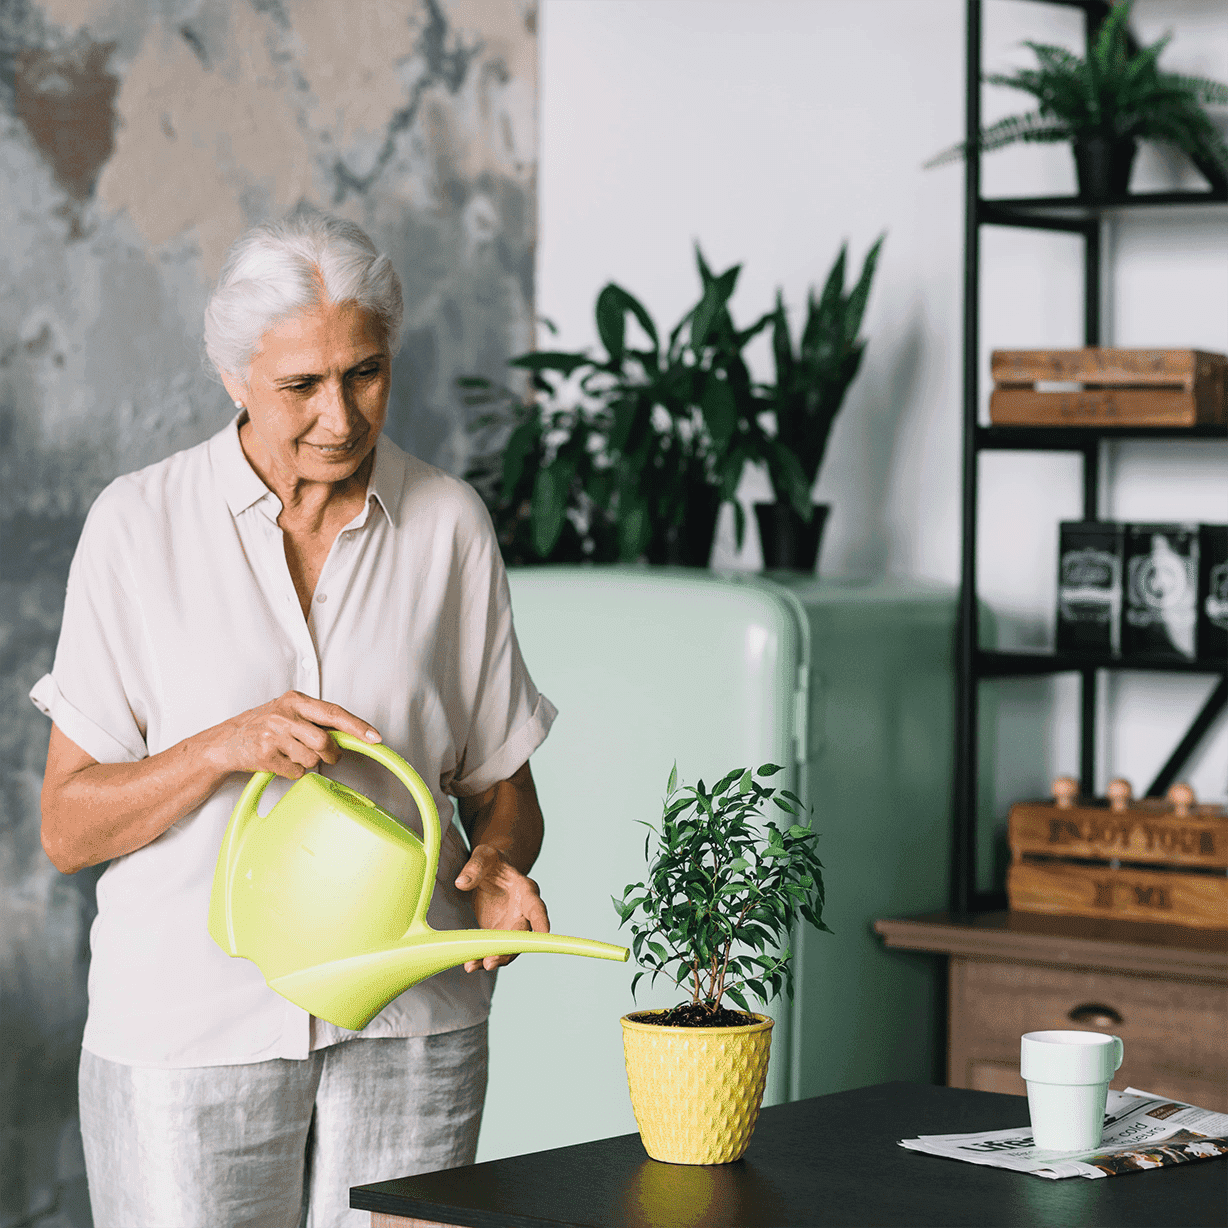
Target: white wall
[770,131]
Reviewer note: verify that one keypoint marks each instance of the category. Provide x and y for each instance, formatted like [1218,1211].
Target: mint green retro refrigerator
[652,666]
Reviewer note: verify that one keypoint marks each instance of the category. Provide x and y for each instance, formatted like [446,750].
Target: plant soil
[694,1015]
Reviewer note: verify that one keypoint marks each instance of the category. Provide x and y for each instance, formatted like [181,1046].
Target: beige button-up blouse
[180,613]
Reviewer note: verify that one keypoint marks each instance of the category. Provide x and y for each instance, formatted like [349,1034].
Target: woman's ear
[236,389]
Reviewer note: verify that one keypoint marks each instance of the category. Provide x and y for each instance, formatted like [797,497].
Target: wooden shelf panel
[1135,947]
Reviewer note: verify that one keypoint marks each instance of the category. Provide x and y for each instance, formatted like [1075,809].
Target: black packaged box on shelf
[1161,599]
[1213,592]
[1089,587]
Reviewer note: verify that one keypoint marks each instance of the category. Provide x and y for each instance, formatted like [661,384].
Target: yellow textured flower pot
[696,1091]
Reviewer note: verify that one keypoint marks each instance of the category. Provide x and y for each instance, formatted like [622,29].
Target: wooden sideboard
[1162,988]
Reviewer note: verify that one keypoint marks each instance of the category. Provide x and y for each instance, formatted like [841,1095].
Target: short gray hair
[283,269]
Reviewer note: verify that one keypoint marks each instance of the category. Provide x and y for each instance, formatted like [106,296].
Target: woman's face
[316,395]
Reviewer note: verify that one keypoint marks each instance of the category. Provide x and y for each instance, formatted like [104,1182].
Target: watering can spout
[317,895]
[351,992]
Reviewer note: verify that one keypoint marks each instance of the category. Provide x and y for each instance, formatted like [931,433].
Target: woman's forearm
[93,812]
[507,817]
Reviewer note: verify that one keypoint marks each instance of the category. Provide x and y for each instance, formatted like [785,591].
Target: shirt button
[322,598]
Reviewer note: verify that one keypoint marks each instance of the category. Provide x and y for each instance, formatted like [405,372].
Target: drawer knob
[1093,1015]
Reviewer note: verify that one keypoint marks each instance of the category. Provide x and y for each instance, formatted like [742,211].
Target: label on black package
[1089,587]
[1213,592]
[1161,599]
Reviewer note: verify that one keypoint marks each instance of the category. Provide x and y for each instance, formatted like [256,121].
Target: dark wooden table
[833,1160]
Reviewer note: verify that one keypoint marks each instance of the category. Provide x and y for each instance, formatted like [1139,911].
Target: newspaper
[1141,1130]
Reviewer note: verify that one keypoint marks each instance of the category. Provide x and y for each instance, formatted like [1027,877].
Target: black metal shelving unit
[1069,215]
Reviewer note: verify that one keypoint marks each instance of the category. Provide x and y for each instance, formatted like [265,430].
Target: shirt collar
[243,486]
[387,478]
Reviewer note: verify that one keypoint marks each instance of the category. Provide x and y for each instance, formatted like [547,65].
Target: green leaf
[769,769]
[520,445]
[634,531]
[551,360]
[856,305]
[613,304]
[549,506]
[712,305]
[673,779]
[612,321]
[720,411]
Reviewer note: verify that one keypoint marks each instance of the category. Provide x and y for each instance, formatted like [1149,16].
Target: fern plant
[1115,93]
[725,888]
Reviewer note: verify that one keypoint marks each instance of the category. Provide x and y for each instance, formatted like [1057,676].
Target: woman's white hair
[283,269]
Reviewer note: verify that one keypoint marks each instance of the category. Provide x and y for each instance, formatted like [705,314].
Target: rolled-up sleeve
[504,717]
[98,691]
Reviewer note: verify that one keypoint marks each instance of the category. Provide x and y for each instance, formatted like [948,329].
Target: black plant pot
[689,544]
[1103,166]
[789,543]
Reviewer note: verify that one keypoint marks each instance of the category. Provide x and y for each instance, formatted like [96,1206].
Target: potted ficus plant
[811,381]
[627,454]
[1104,104]
[725,888]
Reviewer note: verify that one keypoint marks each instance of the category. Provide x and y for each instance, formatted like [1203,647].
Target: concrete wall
[772,130]
[137,139]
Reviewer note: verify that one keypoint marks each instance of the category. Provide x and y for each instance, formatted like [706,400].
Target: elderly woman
[226,608]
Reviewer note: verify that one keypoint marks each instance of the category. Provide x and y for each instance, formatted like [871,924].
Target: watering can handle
[244,812]
[431,835]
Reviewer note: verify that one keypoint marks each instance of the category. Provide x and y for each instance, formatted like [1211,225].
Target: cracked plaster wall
[137,139]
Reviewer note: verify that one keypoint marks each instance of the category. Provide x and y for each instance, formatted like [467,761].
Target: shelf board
[1076,438]
[990,664]
[1019,210]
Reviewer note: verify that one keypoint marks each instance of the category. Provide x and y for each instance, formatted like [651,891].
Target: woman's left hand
[502,899]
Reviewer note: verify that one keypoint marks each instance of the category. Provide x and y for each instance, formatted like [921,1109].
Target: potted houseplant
[1104,104]
[548,487]
[629,453]
[811,381]
[724,889]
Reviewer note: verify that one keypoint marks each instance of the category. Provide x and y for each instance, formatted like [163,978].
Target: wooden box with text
[1149,860]
[1098,386]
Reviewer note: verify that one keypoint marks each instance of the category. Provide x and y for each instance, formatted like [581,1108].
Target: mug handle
[1119,1049]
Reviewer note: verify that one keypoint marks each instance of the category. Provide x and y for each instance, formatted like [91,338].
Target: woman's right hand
[93,812]
[287,736]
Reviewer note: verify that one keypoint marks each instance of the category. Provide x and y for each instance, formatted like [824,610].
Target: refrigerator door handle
[801,717]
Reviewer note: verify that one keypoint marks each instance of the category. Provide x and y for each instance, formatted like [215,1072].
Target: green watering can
[327,896]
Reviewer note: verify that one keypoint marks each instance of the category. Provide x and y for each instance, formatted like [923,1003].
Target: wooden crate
[1105,387]
[1149,860]
[1123,893]
[1147,831]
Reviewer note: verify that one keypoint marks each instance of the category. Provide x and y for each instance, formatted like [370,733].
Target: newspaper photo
[1141,1131]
